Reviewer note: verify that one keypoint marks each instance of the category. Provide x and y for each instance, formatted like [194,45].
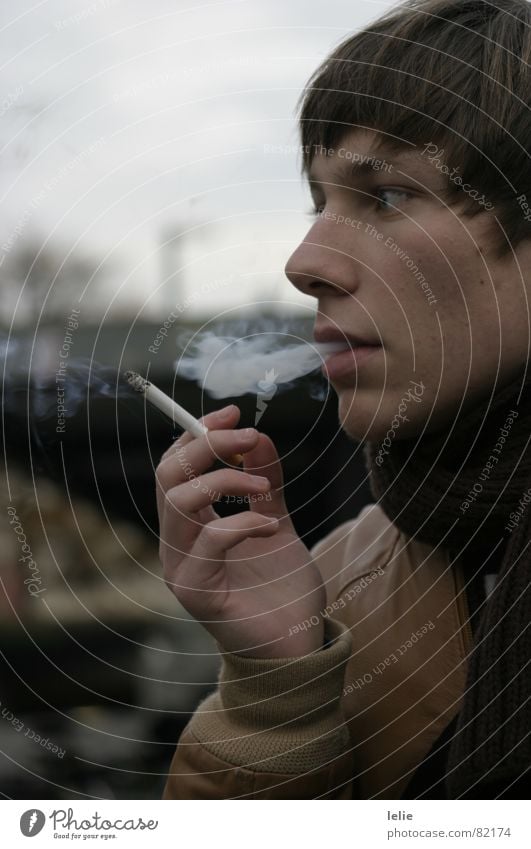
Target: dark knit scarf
[422,485]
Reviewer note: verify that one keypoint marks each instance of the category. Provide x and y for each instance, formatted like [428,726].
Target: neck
[428,488]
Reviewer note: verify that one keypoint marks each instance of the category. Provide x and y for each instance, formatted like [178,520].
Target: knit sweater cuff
[280,714]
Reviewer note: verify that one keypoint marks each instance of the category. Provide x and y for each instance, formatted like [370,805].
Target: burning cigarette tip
[171,408]
[139,384]
[166,404]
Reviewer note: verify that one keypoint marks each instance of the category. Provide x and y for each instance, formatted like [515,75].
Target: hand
[248,578]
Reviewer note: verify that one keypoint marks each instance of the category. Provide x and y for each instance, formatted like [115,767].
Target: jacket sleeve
[272,730]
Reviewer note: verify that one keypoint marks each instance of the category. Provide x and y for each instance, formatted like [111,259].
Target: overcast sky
[125,122]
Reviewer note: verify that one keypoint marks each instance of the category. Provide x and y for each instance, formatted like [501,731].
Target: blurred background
[150,168]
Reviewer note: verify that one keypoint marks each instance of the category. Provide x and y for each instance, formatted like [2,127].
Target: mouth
[356,351]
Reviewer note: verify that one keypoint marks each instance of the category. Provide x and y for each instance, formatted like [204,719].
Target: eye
[401,193]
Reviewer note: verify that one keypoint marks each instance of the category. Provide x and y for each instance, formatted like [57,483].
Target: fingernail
[225,412]
[261,482]
[247,434]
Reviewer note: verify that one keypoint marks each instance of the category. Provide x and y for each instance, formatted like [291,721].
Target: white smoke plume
[227,366]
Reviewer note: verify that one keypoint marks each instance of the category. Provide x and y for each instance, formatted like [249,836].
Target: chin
[372,420]
[359,424]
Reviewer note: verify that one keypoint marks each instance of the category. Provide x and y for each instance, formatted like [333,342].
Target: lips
[345,362]
[329,333]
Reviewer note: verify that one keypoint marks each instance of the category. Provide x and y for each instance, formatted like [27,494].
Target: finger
[226,417]
[191,460]
[187,498]
[263,460]
[222,534]
[182,516]
[177,532]
[206,514]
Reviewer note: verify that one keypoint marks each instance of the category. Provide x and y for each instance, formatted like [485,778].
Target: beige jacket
[355,719]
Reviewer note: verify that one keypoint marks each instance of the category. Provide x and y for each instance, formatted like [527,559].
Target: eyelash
[313,212]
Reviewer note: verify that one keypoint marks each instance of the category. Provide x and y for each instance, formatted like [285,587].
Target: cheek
[453,265]
[438,293]
[444,342]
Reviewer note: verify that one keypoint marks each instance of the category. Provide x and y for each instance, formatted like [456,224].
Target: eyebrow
[360,168]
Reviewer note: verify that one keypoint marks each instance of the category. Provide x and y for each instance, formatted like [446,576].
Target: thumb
[263,460]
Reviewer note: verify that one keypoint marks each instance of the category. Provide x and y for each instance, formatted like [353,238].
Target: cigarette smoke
[30,399]
[224,365]
[81,381]
[84,380]
[228,366]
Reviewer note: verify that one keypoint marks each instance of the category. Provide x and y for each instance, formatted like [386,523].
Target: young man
[391,660]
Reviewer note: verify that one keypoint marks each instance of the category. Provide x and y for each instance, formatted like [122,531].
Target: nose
[320,268]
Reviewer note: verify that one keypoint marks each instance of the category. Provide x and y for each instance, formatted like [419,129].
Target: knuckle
[169,580]
[160,476]
[174,497]
[169,451]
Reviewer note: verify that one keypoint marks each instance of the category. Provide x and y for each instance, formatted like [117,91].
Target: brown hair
[454,73]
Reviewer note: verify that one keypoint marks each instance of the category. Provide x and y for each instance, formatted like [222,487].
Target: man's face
[414,275]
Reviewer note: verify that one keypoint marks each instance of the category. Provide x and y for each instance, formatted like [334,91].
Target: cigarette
[171,408]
